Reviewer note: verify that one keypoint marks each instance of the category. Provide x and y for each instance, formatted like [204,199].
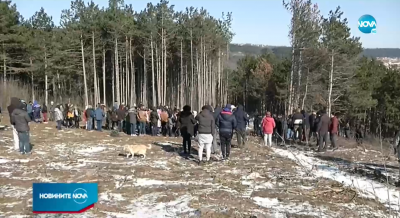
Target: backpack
[164,117]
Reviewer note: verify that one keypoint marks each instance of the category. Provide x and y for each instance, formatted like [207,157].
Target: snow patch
[4,161]
[88,151]
[111,197]
[147,207]
[66,166]
[281,209]
[365,187]
[6,174]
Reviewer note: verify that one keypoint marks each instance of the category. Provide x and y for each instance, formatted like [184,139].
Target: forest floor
[283,181]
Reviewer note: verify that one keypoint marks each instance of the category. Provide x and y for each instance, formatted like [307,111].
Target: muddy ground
[257,182]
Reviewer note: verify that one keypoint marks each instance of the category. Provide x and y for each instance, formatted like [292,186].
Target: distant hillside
[237,51]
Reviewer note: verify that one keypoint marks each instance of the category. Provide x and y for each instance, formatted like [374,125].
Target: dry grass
[165,180]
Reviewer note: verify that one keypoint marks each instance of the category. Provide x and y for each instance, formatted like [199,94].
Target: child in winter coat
[268,125]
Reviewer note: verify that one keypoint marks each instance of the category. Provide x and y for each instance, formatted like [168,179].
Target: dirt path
[256,181]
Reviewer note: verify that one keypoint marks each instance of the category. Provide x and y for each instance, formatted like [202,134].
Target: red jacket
[268,125]
[333,127]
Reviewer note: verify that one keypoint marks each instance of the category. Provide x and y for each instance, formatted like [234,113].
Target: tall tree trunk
[116,62]
[133,75]
[46,85]
[113,80]
[94,69]
[165,72]
[59,87]
[330,85]
[104,77]
[84,75]
[4,76]
[158,76]
[290,109]
[219,77]
[153,88]
[306,91]
[198,76]
[33,84]
[192,69]
[299,72]
[127,71]
[144,78]
[180,97]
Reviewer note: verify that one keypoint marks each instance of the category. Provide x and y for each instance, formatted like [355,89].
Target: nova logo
[80,196]
[367,24]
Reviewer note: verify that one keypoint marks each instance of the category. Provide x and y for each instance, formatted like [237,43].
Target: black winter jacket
[226,122]
[186,123]
[206,122]
[241,118]
[20,119]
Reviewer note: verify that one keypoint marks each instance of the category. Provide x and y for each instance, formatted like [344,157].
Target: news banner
[63,197]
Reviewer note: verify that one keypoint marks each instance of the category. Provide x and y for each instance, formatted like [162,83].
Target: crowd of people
[204,127]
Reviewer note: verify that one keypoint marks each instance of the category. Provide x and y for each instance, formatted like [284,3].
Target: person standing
[58,116]
[36,111]
[89,115]
[333,131]
[242,119]
[313,128]
[164,122]
[154,118]
[132,120]
[206,130]
[142,118]
[29,109]
[99,115]
[297,121]
[186,123]
[51,111]
[268,125]
[306,125]
[323,129]
[77,116]
[15,103]
[20,120]
[44,112]
[121,117]
[226,123]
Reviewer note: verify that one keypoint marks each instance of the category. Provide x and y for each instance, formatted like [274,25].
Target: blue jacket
[241,118]
[226,122]
[99,114]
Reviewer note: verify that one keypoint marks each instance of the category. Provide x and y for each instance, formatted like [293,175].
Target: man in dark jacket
[121,117]
[313,126]
[242,119]
[322,129]
[186,123]
[226,123]
[44,112]
[306,125]
[154,121]
[297,121]
[15,103]
[133,120]
[20,120]
[333,131]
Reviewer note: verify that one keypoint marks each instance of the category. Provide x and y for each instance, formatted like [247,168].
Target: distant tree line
[324,68]
[285,51]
